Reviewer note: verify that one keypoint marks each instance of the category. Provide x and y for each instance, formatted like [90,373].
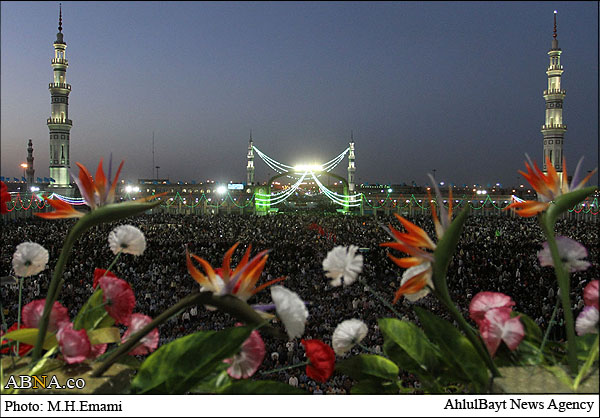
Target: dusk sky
[455,87]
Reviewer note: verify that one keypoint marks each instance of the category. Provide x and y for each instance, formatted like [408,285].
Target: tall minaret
[59,123]
[351,166]
[250,166]
[30,171]
[554,129]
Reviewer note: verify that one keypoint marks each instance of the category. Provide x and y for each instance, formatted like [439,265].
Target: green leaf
[457,350]
[376,387]
[445,249]
[584,344]
[260,387]
[367,366]
[532,330]
[413,342]
[566,202]
[29,336]
[130,361]
[104,336]
[92,314]
[177,367]
[117,211]
[214,382]
[593,355]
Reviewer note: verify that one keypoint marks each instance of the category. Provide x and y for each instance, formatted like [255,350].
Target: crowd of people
[494,254]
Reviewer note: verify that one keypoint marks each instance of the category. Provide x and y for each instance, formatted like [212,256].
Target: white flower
[347,334]
[342,262]
[29,259]
[290,309]
[571,253]
[127,239]
[587,321]
[423,268]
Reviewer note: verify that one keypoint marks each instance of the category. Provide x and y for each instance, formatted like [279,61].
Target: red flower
[118,297]
[32,314]
[98,273]
[23,348]
[322,360]
[4,198]
[74,344]
[150,341]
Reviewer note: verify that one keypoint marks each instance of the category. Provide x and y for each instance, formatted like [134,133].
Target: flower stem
[550,324]
[367,349]
[380,298]
[293,366]
[19,312]
[562,277]
[113,262]
[5,325]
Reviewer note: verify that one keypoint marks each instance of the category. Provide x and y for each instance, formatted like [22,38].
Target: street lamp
[24,165]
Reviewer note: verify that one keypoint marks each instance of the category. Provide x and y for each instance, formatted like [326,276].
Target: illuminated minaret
[59,123]
[30,171]
[250,166]
[553,128]
[351,165]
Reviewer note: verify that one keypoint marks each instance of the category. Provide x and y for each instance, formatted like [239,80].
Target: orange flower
[96,192]
[416,243]
[548,186]
[240,282]
[63,210]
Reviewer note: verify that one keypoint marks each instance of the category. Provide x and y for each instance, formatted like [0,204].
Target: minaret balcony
[59,121]
[554,91]
[59,86]
[554,126]
[62,61]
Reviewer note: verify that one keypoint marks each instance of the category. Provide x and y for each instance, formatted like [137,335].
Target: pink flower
[248,360]
[150,341]
[484,301]
[571,253]
[74,345]
[118,297]
[498,326]
[97,350]
[32,313]
[590,294]
[587,321]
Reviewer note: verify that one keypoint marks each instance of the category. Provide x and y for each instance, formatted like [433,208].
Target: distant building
[30,170]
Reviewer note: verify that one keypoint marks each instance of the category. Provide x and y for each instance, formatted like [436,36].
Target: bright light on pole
[221,190]
[24,165]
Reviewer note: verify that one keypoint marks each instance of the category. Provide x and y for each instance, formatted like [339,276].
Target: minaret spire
[250,165]
[59,124]
[553,129]
[30,170]
[351,165]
